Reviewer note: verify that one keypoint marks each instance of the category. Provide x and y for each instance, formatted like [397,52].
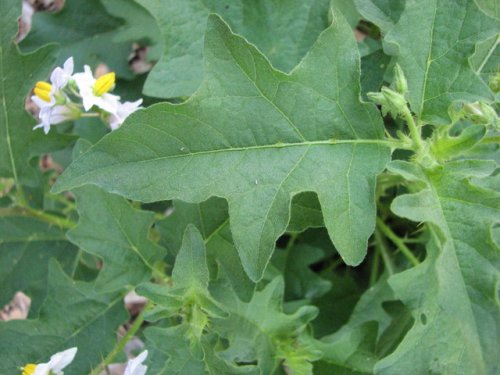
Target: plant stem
[396,240]
[382,248]
[123,341]
[61,199]
[375,268]
[414,130]
[91,114]
[48,218]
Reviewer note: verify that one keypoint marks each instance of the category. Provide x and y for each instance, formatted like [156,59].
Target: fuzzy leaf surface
[256,137]
[454,305]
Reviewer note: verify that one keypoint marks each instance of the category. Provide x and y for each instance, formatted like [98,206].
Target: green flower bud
[480,113]
[400,80]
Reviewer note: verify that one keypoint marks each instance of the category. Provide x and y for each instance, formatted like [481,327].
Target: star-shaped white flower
[95,91]
[135,366]
[122,112]
[55,366]
[51,100]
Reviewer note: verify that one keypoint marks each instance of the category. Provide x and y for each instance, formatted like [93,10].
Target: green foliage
[261,170]
[274,219]
[109,228]
[283,30]
[72,315]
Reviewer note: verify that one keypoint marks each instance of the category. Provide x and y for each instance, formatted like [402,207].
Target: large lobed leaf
[256,137]
[18,74]
[452,294]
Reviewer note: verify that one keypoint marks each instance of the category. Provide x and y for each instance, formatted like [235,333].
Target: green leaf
[111,229]
[18,74]
[490,7]
[255,137]
[485,59]
[211,218]
[433,41]
[383,13]
[354,346]
[259,332]
[190,270]
[26,247]
[171,352]
[452,294]
[300,281]
[72,315]
[86,31]
[305,213]
[283,30]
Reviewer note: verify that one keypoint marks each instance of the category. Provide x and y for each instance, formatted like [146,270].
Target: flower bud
[400,80]
[391,101]
[480,113]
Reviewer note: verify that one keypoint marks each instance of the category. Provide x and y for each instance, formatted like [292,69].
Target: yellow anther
[42,90]
[45,86]
[104,84]
[29,369]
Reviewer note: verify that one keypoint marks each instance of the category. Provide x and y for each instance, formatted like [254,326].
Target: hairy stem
[414,130]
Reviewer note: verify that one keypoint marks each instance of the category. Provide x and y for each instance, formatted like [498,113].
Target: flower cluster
[70,96]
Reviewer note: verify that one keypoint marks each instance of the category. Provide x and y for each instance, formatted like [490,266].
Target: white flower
[122,112]
[95,91]
[52,115]
[135,366]
[54,105]
[55,366]
[61,76]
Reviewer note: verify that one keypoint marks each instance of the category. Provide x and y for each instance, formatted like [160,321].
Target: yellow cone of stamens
[29,369]
[42,90]
[104,84]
